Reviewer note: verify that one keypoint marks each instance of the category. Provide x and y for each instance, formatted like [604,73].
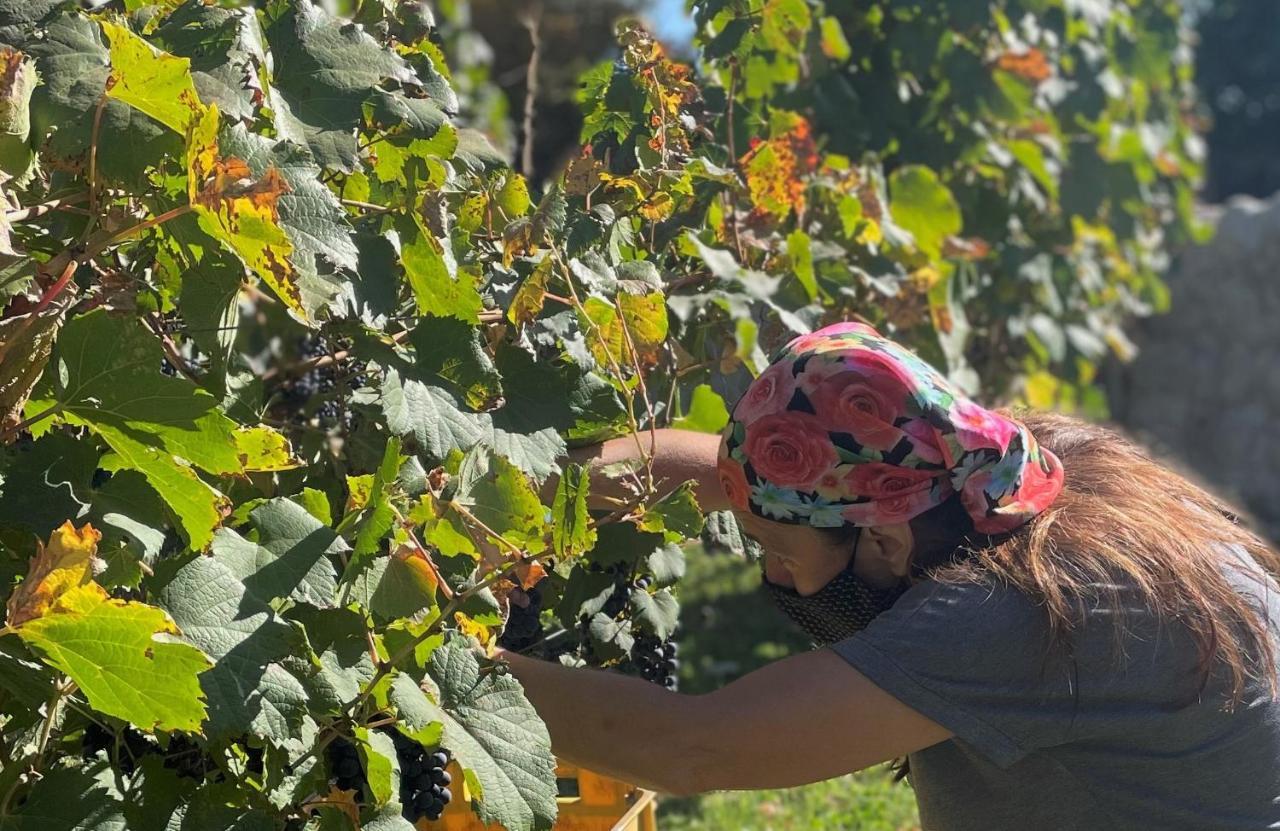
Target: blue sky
[671,22]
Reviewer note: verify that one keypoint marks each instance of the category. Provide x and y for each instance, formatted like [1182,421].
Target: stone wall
[1205,390]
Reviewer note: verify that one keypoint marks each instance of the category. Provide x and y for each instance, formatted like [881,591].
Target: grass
[728,628]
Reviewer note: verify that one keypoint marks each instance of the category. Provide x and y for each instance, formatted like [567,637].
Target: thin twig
[62,203]
[93,165]
[531,19]
[25,423]
[733,158]
[368,206]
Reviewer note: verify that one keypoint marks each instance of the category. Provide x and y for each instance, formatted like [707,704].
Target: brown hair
[1123,518]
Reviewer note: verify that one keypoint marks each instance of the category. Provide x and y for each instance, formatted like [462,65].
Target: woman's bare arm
[678,456]
[802,719]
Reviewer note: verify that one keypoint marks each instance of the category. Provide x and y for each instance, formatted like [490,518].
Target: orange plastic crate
[588,802]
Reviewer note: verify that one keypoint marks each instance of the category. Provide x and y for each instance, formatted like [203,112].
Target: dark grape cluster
[656,660]
[167,368]
[524,626]
[187,759]
[424,782]
[183,756]
[323,390]
[346,772]
[316,381]
[616,603]
[125,754]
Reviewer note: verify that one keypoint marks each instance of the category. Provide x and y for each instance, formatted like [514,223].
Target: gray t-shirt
[1051,743]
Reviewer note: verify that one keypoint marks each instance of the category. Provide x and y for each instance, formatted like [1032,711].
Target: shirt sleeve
[975,659]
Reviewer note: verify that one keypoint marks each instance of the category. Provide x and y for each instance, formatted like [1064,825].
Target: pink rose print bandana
[846,427]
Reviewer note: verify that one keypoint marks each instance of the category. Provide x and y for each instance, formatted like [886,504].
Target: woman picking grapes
[1053,630]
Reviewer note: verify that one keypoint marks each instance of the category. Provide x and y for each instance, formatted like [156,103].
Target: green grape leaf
[477,153]
[225,51]
[666,563]
[69,799]
[399,585]
[453,351]
[498,738]
[207,301]
[247,689]
[157,83]
[381,765]
[128,506]
[109,648]
[440,287]
[325,68]
[418,717]
[430,416]
[800,253]
[721,533]
[610,638]
[195,504]
[924,206]
[339,638]
[292,556]
[513,196]
[106,373]
[48,484]
[572,532]
[72,61]
[501,496]
[658,612]
[387,818]
[403,116]
[676,514]
[375,515]
[217,806]
[707,412]
[535,453]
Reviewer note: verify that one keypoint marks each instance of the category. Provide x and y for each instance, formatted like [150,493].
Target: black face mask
[842,607]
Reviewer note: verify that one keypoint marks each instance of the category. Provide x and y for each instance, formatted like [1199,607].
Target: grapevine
[293,361]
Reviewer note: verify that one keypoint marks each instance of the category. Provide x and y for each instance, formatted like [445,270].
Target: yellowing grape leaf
[644,317]
[776,169]
[64,564]
[241,212]
[155,82]
[263,449]
[109,648]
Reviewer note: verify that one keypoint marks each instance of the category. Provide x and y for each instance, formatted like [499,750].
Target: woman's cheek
[775,572]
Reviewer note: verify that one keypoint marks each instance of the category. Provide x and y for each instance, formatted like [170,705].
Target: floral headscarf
[846,427]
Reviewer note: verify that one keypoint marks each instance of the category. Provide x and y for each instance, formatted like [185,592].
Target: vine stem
[628,395]
[34,211]
[368,206]
[531,19]
[132,230]
[93,166]
[18,428]
[733,154]
[60,692]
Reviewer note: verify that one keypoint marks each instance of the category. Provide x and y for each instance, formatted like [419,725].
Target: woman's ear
[883,556]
